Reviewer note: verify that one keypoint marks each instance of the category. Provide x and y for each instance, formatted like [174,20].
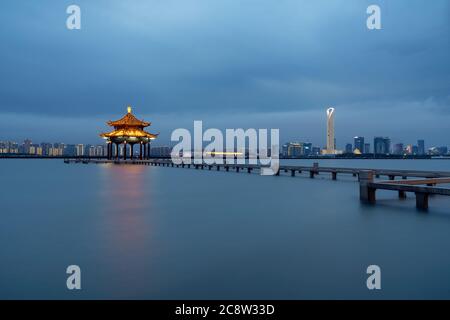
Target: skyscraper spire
[331,144]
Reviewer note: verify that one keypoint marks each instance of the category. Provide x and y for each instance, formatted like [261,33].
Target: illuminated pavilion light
[225,153]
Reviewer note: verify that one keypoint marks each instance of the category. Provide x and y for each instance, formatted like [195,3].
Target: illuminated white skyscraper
[331,144]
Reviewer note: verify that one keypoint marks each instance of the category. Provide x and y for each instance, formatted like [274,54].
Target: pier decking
[422,188]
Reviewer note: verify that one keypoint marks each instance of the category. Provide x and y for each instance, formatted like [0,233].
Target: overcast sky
[231,63]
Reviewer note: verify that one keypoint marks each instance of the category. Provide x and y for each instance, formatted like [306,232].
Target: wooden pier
[422,188]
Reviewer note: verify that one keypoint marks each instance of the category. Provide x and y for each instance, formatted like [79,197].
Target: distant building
[35,149]
[307,148]
[409,149]
[46,148]
[438,151]
[284,149]
[26,146]
[366,147]
[421,147]
[348,148]
[295,150]
[316,151]
[160,151]
[398,149]
[71,150]
[100,151]
[79,150]
[331,141]
[381,145]
[359,144]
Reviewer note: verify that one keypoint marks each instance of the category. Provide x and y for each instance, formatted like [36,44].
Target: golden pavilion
[129,131]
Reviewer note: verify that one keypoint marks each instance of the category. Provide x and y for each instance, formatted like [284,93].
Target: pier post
[218,168]
[401,194]
[237,169]
[249,170]
[366,193]
[292,173]
[422,201]
[311,174]
[334,175]
[316,167]
[227,168]
[391,177]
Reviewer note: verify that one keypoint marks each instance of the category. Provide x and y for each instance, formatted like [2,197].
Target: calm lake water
[166,233]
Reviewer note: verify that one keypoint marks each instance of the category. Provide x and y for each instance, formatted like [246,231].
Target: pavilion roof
[129,120]
[129,132]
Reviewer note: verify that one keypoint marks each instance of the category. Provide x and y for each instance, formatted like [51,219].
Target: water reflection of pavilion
[129,131]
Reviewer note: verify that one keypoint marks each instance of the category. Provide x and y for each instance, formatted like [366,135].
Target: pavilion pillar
[148,150]
[145,151]
[140,151]
[117,151]
[131,150]
[125,150]
[110,150]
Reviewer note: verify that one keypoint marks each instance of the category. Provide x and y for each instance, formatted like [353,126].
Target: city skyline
[380,145]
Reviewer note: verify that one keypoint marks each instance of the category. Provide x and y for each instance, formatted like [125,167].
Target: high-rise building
[79,150]
[381,145]
[366,147]
[46,148]
[359,144]
[295,149]
[398,149]
[348,148]
[284,150]
[70,150]
[100,151]
[160,151]
[421,147]
[26,146]
[307,148]
[331,142]
[316,151]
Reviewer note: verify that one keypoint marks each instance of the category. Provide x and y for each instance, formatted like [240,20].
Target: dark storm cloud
[206,57]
